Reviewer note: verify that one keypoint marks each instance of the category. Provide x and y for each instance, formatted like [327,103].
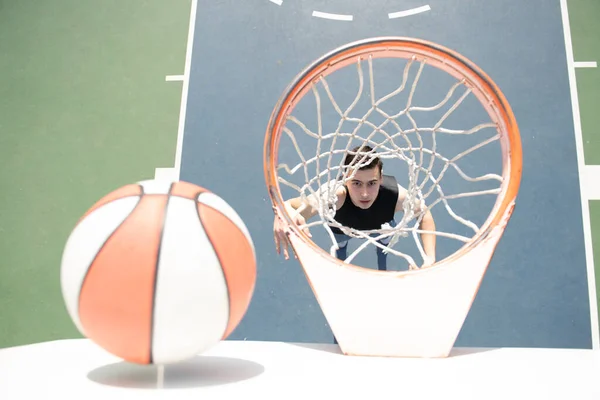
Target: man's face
[364,187]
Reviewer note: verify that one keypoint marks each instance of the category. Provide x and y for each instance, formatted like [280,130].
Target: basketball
[158,271]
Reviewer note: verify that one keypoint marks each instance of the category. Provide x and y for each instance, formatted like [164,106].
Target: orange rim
[487,92]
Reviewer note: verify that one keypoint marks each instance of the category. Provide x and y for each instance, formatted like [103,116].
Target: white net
[413,132]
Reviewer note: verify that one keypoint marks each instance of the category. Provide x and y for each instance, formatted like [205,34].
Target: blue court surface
[535,293]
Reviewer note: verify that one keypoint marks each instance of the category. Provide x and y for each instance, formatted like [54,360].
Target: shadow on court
[200,371]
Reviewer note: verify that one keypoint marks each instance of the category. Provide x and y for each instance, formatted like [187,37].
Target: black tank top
[382,210]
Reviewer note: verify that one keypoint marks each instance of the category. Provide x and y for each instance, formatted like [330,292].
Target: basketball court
[538,291]
[533,326]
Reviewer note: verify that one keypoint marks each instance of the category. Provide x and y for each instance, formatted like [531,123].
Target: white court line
[338,17]
[278,2]
[591,180]
[412,11]
[585,210]
[167,174]
[172,78]
[586,64]
[184,92]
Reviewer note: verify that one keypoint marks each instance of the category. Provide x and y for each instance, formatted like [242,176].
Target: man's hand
[281,239]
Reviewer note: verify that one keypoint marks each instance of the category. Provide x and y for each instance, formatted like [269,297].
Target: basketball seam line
[87,271]
[162,233]
[225,215]
[197,207]
[198,194]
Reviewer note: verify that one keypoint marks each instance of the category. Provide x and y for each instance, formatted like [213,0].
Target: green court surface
[585,36]
[588,89]
[585,29]
[585,32]
[84,109]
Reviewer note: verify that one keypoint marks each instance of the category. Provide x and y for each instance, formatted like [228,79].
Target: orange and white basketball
[157,272]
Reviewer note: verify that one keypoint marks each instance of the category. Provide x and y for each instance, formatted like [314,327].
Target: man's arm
[428,239]
[309,208]
[427,224]
[310,203]
[291,205]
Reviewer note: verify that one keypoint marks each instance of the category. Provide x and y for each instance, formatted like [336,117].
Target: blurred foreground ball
[157,272]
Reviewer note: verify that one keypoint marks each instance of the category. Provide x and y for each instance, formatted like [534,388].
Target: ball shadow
[200,371]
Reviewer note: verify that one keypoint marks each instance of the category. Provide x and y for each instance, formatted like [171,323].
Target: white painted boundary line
[586,64]
[278,2]
[167,174]
[585,210]
[175,172]
[173,78]
[338,17]
[412,11]
[591,180]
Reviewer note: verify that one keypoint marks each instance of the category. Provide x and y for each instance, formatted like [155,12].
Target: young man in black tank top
[369,200]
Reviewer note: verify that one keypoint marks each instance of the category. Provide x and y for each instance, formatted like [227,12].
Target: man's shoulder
[390,183]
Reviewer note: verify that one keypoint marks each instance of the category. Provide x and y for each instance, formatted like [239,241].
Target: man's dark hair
[360,152]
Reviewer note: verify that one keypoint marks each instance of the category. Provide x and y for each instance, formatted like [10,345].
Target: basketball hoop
[403,313]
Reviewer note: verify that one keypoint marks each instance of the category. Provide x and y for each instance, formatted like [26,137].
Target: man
[369,200]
